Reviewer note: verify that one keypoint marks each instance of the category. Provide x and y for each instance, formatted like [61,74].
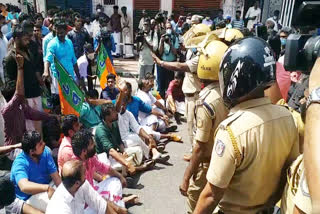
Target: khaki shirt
[210,112]
[296,192]
[267,139]
[191,83]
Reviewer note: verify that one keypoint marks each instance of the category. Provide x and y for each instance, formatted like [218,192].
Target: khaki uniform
[252,147]
[296,192]
[210,111]
[191,87]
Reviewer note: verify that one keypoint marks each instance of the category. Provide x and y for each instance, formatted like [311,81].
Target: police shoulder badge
[220,146]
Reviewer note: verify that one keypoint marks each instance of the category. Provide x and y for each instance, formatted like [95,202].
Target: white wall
[166,5]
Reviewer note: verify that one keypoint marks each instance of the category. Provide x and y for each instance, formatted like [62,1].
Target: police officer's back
[257,142]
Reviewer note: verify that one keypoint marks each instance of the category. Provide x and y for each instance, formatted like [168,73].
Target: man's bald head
[72,171]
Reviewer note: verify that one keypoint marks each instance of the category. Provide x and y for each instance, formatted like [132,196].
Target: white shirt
[63,202]
[89,27]
[127,122]
[147,98]
[145,57]
[82,63]
[275,23]
[251,13]
[3,51]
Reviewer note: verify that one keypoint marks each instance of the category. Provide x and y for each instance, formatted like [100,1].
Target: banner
[104,66]
[71,96]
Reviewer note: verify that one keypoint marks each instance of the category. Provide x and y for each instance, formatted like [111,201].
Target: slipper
[131,200]
[175,138]
[161,158]
[161,147]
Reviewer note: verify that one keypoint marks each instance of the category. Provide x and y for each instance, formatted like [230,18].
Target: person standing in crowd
[88,26]
[126,34]
[62,48]
[34,172]
[39,21]
[275,19]
[116,29]
[6,28]
[255,136]
[75,193]
[147,44]
[142,20]
[219,17]
[46,21]
[253,15]
[85,63]
[3,49]
[110,92]
[210,111]
[79,36]
[105,37]
[22,37]
[14,23]
[238,23]
[169,44]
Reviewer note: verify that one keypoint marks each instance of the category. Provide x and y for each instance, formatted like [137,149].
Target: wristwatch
[314,97]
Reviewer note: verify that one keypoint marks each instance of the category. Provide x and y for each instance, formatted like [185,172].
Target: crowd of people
[245,113]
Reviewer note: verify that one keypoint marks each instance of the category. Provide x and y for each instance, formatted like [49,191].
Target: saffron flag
[104,66]
[71,96]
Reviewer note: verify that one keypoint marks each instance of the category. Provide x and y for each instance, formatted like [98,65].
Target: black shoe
[177,117]
[171,128]
[161,158]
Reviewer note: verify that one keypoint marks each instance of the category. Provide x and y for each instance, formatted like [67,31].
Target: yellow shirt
[267,139]
[210,112]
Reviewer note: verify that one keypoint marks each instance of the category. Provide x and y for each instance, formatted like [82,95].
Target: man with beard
[33,170]
[84,149]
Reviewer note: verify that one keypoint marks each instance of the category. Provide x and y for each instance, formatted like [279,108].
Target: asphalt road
[158,189]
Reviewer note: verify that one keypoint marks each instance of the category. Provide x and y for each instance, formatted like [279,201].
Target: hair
[8,90]
[286,30]
[59,23]
[38,15]
[7,191]
[88,47]
[116,7]
[129,86]
[149,76]
[27,26]
[51,131]
[93,93]
[238,11]
[29,141]
[51,12]
[19,32]
[179,75]
[76,17]
[2,17]
[276,12]
[80,141]
[111,76]
[67,123]
[99,6]
[106,110]
[220,10]
[74,175]
[38,26]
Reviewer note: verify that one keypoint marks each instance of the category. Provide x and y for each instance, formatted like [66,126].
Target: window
[109,2]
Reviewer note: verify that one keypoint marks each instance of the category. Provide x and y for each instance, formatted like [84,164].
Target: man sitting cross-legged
[132,134]
[32,171]
[75,192]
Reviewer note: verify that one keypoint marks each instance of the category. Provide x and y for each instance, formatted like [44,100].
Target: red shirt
[15,113]
[175,91]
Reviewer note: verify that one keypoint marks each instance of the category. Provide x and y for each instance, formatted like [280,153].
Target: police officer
[209,112]
[191,84]
[254,146]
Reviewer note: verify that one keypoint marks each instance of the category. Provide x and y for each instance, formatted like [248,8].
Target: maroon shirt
[175,91]
[15,113]
[116,23]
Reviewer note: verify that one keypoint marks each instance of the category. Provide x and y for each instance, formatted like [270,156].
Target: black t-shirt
[31,66]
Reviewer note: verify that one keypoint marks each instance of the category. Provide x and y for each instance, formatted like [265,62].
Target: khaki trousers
[196,185]
[190,106]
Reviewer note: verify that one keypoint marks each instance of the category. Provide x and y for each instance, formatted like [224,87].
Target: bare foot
[131,200]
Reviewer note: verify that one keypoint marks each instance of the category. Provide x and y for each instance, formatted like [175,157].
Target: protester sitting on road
[8,201]
[175,97]
[110,92]
[75,193]
[145,119]
[84,148]
[33,170]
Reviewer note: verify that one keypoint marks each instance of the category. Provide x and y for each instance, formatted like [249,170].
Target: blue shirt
[44,30]
[65,54]
[90,116]
[108,94]
[167,55]
[9,35]
[24,167]
[109,49]
[45,43]
[137,105]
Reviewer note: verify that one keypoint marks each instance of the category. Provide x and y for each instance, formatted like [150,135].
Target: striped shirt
[237,24]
